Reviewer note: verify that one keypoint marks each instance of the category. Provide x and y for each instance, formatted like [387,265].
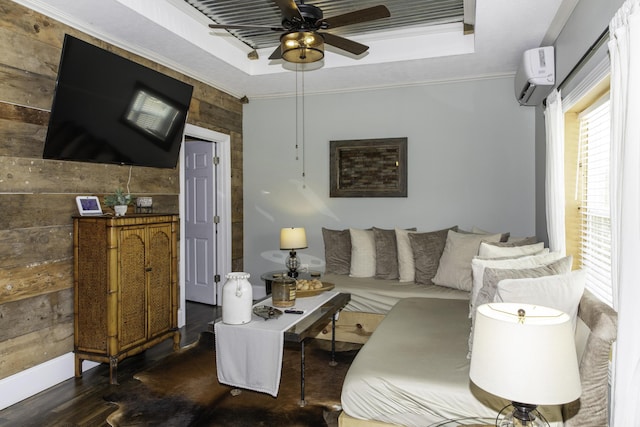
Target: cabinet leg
[176,341]
[113,370]
[78,366]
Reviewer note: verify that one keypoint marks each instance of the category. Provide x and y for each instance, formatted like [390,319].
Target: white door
[201,269]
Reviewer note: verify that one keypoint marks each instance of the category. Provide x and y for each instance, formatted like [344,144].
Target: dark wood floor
[80,401]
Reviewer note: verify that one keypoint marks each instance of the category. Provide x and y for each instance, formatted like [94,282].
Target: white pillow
[454,270]
[406,264]
[478,265]
[492,251]
[363,253]
[562,292]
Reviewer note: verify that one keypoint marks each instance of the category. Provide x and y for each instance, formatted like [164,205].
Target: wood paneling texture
[37,197]
[22,282]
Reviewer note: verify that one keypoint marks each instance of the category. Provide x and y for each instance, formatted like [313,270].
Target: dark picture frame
[368,168]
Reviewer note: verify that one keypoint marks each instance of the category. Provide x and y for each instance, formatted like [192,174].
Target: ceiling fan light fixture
[302,47]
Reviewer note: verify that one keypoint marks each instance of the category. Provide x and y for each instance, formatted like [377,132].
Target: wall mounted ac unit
[536,76]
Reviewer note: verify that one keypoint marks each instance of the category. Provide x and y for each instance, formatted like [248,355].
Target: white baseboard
[32,381]
[182,317]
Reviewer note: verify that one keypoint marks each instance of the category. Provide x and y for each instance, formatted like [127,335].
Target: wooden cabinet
[126,286]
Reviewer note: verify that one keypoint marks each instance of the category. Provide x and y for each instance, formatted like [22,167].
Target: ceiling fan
[303,37]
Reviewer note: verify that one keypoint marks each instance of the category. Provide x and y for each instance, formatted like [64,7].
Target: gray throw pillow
[504,237]
[454,270]
[493,276]
[427,249]
[513,243]
[337,251]
[386,253]
[591,408]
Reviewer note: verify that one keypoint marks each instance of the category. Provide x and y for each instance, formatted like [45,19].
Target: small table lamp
[292,239]
[525,353]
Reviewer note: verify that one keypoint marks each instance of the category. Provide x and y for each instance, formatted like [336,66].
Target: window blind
[595,232]
[574,95]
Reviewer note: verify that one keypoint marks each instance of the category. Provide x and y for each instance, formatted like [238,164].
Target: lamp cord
[500,413]
[129,180]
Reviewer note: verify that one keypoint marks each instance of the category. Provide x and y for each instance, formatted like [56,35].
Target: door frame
[223,200]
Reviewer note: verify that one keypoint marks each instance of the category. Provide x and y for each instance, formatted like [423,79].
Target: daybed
[414,368]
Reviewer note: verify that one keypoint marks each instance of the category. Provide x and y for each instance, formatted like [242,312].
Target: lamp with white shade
[291,239]
[526,354]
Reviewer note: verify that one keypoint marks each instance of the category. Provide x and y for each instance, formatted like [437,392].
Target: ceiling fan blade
[344,44]
[358,16]
[276,54]
[289,10]
[245,27]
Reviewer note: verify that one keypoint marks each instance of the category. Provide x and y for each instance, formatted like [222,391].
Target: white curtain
[554,176]
[624,48]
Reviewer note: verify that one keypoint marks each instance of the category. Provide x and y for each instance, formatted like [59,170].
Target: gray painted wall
[588,20]
[471,163]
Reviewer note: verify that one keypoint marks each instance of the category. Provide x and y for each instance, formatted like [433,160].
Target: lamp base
[523,415]
[292,264]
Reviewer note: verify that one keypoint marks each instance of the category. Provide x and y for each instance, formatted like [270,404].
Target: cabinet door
[159,274]
[132,287]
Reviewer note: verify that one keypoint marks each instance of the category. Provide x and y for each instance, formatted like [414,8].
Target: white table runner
[249,356]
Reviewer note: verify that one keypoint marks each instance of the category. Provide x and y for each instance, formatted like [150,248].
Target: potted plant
[119,201]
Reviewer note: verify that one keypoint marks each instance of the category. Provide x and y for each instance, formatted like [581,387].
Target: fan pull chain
[300,127]
[304,183]
[297,111]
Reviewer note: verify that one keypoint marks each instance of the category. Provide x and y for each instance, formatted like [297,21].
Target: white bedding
[370,295]
[413,371]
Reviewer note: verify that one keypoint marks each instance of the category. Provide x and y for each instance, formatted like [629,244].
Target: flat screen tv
[108,109]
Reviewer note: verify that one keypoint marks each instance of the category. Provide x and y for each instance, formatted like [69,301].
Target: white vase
[121,210]
[237,299]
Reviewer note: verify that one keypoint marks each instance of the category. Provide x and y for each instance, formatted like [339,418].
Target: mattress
[413,371]
[370,295]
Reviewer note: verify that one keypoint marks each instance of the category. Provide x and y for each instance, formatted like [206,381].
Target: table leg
[302,401]
[333,342]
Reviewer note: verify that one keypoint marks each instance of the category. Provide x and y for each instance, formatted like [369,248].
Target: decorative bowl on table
[311,287]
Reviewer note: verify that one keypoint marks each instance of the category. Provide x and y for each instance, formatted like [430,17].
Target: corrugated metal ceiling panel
[404,14]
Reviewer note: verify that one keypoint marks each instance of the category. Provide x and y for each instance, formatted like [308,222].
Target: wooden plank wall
[37,197]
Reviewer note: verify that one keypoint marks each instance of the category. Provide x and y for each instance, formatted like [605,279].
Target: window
[593,198]
[587,141]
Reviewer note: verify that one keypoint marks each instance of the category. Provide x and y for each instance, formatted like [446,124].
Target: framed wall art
[368,168]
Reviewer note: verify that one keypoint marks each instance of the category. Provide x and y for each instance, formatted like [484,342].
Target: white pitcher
[237,299]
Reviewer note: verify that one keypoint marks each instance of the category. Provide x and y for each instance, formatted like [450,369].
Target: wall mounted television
[108,109]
